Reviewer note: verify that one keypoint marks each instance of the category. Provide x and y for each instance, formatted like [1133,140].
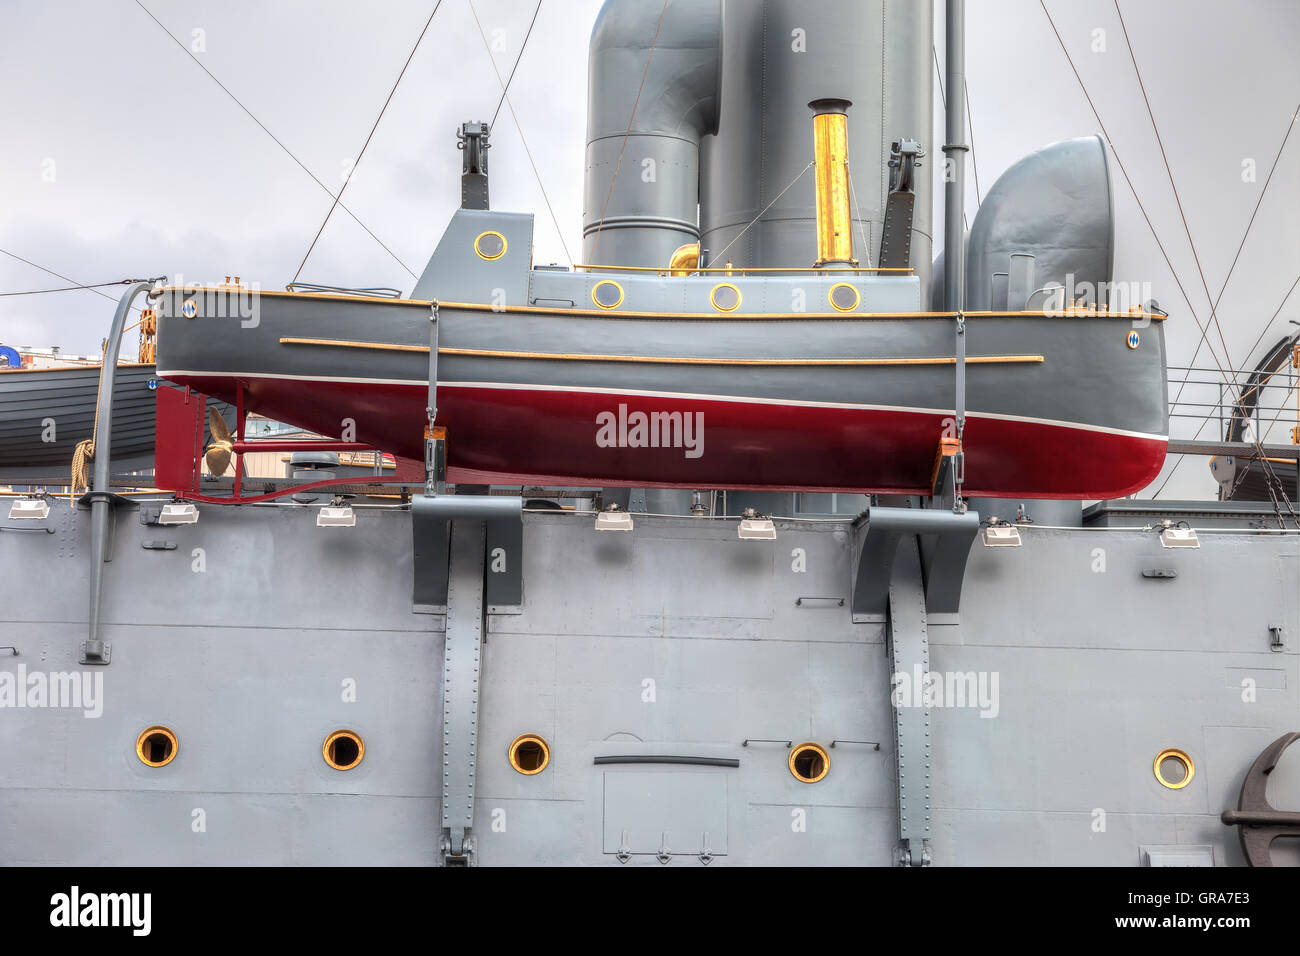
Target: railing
[745,270]
[1245,405]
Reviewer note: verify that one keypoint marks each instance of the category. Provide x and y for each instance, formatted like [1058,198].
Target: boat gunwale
[669,316]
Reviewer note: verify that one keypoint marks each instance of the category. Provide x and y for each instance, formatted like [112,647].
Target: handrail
[741,270]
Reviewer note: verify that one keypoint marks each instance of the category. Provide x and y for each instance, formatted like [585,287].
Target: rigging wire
[1182,213]
[862,230]
[369,136]
[751,222]
[943,101]
[1276,159]
[1128,179]
[505,95]
[1187,299]
[595,239]
[511,77]
[970,128]
[74,288]
[58,275]
[276,139]
[1270,475]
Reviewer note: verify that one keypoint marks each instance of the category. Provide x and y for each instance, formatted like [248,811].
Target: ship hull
[1057,407]
[45,412]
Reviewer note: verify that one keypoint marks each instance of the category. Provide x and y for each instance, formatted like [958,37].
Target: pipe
[831,156]
[99,495]
[641,191]
[955,150]
[684,260]
[954,240]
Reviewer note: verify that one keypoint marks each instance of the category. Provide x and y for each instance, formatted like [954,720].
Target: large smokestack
[641,197]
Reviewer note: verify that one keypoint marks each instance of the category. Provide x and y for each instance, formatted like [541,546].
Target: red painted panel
[178,433]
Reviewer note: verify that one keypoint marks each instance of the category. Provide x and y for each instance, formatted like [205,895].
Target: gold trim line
[667,359]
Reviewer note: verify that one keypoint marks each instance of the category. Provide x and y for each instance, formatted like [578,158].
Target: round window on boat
[490,245]
[1174,768]
[725,297]
[156,746]
[343,749]
[809,762]
[529,754]
[844,297]
[607,294]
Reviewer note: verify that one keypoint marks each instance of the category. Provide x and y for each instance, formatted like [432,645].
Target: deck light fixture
[178,512]
[1173,537]
[999,534]
[612,519]
[336,515]
[756,527]
[29,509]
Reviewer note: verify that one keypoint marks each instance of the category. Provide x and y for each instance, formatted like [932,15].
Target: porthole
[1174,769]
[725,297]
[607,294]
[844,297]
[156,746]
[490,245]
[529,754]
[809,762]
[343,749]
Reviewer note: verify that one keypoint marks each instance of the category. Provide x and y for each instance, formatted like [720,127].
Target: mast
[955,149]
[954,244]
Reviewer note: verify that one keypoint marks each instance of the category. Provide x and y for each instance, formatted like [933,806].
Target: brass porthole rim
[820,750]
[513,753]
[149,732]
[725,285]
[336,735]
[1182,757]
[479,238]
[857,296]
[621,294]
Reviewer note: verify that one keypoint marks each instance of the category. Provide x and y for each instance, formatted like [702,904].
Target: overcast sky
[121,157]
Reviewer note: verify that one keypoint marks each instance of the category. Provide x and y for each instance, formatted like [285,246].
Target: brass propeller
[219,452]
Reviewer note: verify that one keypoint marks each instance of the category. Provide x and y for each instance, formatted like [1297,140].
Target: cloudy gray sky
[120,157]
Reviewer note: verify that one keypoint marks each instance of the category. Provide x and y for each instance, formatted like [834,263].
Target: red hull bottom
[517,436]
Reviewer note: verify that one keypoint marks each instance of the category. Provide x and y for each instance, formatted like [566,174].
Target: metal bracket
[946,539]
[1258,823]
[462,662]
[1277,638]
[896,232]
[473,139]
[664,855]
[909,653]
[431,520]
[96,653]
